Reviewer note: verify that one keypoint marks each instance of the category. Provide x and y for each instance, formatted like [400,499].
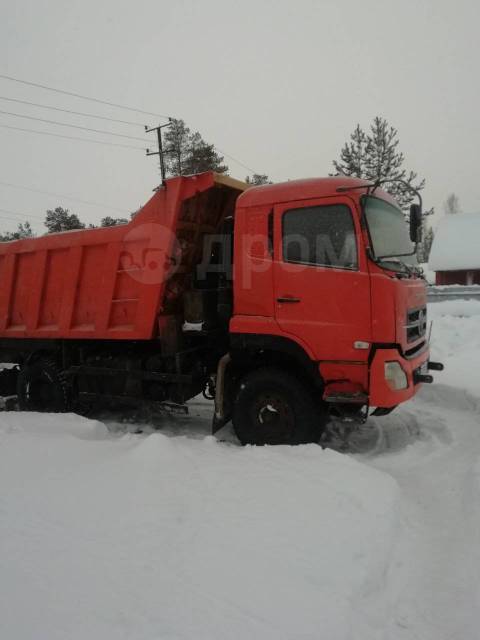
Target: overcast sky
[279,85]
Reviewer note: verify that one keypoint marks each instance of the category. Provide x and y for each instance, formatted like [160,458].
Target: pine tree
[24,230]
[375,156]
[187,153]
[176,145]
[258,179]
[60,219]
[202,156]
[353,155]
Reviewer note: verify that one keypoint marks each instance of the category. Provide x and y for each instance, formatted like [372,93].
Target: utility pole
[160,153]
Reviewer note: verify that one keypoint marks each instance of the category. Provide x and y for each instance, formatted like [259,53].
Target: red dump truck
[284,303]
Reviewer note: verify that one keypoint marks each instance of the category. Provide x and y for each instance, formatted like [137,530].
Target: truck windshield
[388,232]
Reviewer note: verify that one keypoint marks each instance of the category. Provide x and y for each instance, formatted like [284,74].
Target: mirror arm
[401,181]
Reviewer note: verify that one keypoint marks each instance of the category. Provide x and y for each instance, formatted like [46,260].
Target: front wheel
[273,407]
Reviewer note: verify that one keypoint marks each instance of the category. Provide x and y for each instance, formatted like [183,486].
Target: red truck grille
[416,326]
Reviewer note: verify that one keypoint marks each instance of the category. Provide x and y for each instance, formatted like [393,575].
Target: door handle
[288,299]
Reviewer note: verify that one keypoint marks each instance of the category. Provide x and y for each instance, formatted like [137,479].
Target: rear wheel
[42,386]
[273,407]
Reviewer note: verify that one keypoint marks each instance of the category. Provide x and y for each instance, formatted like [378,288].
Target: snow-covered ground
[177,535]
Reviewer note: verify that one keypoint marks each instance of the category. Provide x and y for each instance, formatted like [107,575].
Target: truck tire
[42,386]
[273,407]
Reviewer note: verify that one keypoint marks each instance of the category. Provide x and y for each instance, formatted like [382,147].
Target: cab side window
[320,235]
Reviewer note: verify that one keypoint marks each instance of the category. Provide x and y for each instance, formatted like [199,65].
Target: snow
[456,338]
[192,326]
[456,243]
[177,535]
[429,274]
[160,537]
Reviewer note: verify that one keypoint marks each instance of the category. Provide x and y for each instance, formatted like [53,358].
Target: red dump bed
[113,282]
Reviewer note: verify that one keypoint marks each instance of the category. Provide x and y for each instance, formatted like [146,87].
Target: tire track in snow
[433,580]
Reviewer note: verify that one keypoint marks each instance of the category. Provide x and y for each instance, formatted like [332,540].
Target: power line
[62,195]
[78,95]
[59,135]
[23,215]
[72,126]
[111,104]
[17,220]
[118,135]
[76,113]
[242,164]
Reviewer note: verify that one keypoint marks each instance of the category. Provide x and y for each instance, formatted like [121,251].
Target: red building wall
[458,277]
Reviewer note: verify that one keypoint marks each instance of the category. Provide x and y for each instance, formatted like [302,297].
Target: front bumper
[381,394]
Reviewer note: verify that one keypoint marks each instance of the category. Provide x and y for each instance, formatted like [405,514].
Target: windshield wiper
[397,255]
[411,269]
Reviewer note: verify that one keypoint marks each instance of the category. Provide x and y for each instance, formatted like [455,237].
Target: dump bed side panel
[68,291]
[113,282]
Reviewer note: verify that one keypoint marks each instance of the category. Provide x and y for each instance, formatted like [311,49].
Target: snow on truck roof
[456,245]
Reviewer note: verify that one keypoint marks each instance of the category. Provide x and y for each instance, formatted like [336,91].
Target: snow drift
[160,537]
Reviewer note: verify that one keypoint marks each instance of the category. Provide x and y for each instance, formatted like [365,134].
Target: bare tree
[452,205]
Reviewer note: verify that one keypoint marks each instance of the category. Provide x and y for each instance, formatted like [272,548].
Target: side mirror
[415,223]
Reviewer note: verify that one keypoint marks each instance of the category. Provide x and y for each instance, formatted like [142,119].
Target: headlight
[395,376]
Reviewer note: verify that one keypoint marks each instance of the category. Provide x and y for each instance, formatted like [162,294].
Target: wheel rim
[273,418]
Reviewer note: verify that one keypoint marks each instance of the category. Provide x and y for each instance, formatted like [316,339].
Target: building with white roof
[455,254]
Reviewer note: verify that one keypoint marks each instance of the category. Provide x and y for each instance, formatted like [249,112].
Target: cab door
[321,283]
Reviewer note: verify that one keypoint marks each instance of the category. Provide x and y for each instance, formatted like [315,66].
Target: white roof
[456,245]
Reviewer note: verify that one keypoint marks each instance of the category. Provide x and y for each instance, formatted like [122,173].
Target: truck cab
[326,284]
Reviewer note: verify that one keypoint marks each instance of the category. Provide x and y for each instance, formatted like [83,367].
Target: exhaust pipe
[420,377]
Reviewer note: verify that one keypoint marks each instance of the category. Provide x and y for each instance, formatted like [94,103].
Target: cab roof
[299,190]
